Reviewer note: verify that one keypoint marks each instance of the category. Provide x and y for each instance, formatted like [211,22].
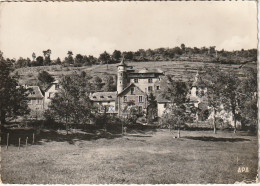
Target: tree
[58,61]
[210,78]
[104,58]
[45,79]
[39,61]
[248,99]
[69,60]
[116,55]
[33,56]
[152,108]
[78,60]
[175,91]
[13,99]
[183,48]
[72,104]
[97,84]
[109,84]
[230,94]
[47,57]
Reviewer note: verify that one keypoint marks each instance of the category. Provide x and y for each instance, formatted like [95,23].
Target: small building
[36,101]
[105,102]
[162,104]
[50,93]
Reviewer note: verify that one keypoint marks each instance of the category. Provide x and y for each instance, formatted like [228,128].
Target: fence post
[26,140]
[7,140]
[19,143]
[33,139]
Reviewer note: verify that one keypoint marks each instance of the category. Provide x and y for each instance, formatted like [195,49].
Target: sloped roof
[161,99]
[103,96]
[145,70]
[35,92]
[132,84]
[55,82]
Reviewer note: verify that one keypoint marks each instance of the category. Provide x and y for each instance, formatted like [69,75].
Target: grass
[153,156]
[179,69]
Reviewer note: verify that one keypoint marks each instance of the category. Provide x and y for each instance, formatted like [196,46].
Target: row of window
[150,80]
[140,99]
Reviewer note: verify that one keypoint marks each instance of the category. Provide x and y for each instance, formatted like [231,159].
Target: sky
[90,28]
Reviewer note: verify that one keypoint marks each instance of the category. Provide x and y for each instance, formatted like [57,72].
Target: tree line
[182,53]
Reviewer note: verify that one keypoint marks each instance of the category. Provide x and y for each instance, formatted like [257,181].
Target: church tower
[121,76]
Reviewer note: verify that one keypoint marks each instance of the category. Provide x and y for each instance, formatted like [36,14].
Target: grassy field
[179,70]
[153,156]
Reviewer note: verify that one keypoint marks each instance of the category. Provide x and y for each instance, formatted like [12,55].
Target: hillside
[180,70]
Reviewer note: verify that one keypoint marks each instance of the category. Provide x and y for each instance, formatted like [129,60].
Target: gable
[132,89]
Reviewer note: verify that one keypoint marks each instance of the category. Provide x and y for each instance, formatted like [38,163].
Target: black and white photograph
[129,92]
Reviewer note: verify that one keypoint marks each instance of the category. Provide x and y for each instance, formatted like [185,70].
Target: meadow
[148,156]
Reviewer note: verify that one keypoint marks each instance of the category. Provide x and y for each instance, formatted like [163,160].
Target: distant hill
[182,70]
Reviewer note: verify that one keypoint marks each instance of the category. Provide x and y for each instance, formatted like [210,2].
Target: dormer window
[101,96]
[94,96]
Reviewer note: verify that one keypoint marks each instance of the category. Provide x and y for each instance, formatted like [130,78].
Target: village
[161,92]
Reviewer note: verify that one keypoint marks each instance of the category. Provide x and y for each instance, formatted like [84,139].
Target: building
[132,97]
[133,88]
[50,92]
[36,101]
[105,102]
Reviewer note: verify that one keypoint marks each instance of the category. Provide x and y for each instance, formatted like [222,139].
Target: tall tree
[47,57]
[13,99]
[231,94]
[45,79]
[116,55]
[210,78]
[72,104]
[176,91]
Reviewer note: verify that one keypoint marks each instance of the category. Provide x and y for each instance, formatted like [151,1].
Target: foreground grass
[150,157]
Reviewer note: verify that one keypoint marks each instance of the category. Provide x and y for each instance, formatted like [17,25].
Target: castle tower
[121,76]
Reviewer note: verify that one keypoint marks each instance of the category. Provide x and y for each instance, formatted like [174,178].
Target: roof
[132,84]
[54,82]
[35,92]
[161,99]
[145,70]
[103,96]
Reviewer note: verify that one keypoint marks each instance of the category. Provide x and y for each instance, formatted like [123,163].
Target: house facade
[36,101]
[50,93]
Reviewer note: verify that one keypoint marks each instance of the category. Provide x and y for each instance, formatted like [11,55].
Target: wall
[47,99]
[135,97]
[143,83]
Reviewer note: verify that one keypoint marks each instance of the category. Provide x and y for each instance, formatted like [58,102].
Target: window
[109,96]
[150,88]
[132,90]
[57,87]
[140,99]
[101,96]
[125,98]
[38,102]
[150,80]
[136,80]
[157,87]
[165,105]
